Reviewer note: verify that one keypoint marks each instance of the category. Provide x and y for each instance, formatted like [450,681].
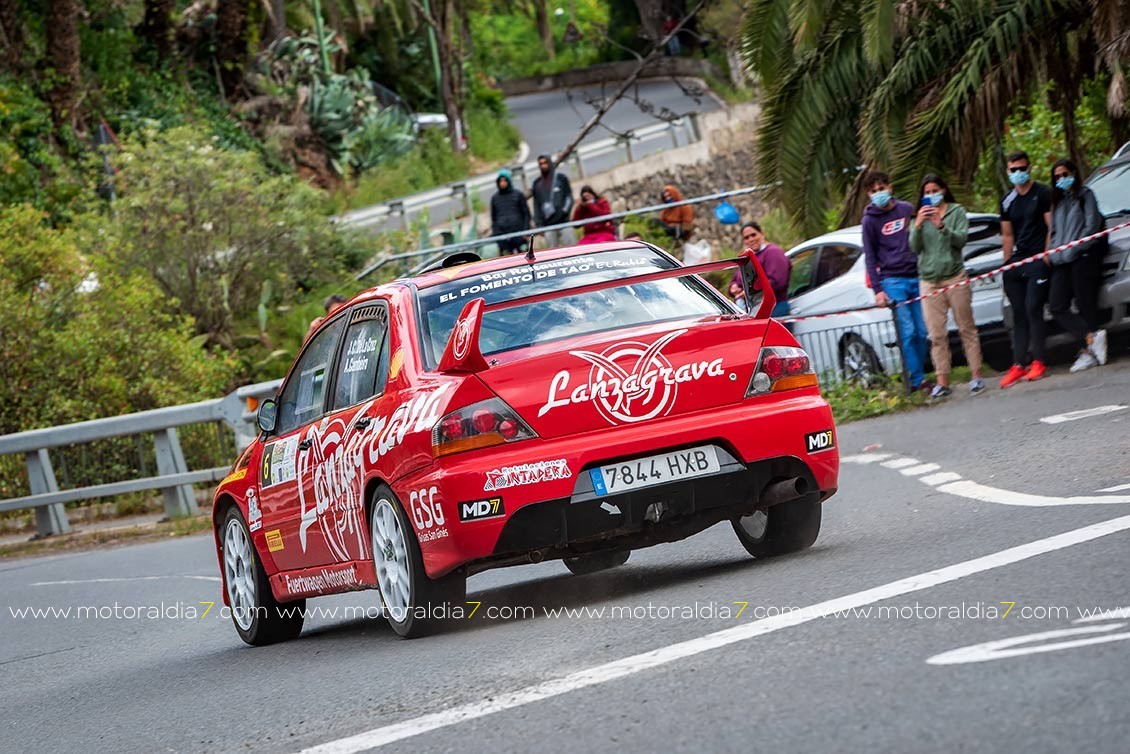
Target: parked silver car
[829,275]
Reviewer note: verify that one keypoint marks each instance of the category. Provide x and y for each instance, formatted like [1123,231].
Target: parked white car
[829,275]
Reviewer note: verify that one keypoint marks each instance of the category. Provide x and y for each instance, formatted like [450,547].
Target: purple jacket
[777,267]
[886,243]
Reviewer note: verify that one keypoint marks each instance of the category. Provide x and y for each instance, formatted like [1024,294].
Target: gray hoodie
[1074,218]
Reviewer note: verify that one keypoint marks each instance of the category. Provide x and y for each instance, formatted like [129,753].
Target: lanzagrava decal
[629,381]
[334,470]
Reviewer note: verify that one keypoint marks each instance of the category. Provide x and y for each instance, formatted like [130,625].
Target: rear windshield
[608,309]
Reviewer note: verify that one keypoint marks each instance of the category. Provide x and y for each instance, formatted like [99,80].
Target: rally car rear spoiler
[463,355]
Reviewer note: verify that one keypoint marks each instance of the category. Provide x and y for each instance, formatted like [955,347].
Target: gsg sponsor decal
[629,381]
[814,442]
[477,510]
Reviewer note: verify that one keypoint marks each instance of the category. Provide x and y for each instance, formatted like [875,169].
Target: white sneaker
[1098,348]
[1086,360]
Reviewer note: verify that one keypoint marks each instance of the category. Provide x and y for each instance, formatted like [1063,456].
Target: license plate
[661,469]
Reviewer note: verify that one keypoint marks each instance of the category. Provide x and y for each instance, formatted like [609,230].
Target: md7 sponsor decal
[527,473]
[333,470]
[814,442]
[477,510]
[629,381]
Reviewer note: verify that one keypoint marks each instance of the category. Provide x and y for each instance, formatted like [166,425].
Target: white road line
[921,469]
[986,494]
[1002,649]
[949,482]
[628,666]
[900,463]
[1086,413]
[1116,488]
[944,476]
[119,580]
[866,458]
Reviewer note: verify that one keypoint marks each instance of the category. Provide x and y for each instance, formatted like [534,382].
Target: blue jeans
[912,327]
[780,309]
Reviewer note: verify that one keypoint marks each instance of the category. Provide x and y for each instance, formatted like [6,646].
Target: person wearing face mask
[938,236]
[1025,213]
[594,205]
[1076,272]
[892,269]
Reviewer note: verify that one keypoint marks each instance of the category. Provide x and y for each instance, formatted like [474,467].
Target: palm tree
[912,85]
[63,60]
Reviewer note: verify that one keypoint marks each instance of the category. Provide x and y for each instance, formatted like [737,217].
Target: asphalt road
[1012,513]
[548,121]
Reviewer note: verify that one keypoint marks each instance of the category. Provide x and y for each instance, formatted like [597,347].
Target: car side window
[363,369]
[835,261]
[804,264]
[304,396]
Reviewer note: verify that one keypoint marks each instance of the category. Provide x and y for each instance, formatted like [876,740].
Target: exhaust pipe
[782,492]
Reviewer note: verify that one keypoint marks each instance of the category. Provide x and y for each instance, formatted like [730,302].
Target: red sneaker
[1036,371]
[1014,375]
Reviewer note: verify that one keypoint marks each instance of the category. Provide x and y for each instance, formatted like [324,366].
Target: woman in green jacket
[937,236]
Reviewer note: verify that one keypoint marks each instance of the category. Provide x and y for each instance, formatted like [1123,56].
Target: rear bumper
[548,508]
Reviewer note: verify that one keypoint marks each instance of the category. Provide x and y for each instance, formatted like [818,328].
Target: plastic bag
[697,252]
[727,214]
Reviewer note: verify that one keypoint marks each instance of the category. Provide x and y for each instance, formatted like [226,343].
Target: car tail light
[490,422]
[781,368]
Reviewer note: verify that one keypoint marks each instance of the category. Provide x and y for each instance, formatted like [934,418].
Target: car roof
[854,234]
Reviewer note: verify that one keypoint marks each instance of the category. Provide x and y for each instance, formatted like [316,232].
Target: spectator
[593,205]
[938,236]
[633,236]
[673,47]
[553,200]
[777,268]
[1077,272]
[677,222]
[332,304]
[1025,216]
[892,269]
[509,213]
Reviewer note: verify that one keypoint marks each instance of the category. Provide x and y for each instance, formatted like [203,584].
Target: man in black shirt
[1025,217]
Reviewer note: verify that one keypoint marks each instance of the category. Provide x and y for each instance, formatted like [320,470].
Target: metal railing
[463,191]
[173,477]
[436,252]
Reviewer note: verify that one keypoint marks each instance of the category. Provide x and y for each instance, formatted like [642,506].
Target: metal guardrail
[463,190]
[173,477]
[615,217]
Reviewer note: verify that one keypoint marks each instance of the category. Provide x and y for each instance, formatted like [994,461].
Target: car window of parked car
[1111,184]
[804,265]
[521,326]
[363,368]
[303,397]
[835,261]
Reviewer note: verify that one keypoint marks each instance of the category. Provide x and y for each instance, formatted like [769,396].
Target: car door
[301,403]
[982,253]
[331,469]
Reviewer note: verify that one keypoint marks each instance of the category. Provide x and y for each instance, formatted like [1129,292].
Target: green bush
[430,163]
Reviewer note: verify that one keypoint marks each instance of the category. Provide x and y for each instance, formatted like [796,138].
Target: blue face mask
[1019,179]
[933,200]
[1065,183]
[881,198]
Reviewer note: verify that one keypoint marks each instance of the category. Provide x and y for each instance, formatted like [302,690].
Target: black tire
[581,565]
[782,529]
[268,621]
[428,604]
[858,361]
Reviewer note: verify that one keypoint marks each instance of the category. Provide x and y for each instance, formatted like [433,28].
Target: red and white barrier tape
[970,281]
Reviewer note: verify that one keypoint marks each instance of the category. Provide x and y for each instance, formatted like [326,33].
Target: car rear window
[568,316]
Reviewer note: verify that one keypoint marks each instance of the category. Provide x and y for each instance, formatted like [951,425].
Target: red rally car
[578,405]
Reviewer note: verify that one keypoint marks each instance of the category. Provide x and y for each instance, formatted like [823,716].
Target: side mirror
[267,415]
